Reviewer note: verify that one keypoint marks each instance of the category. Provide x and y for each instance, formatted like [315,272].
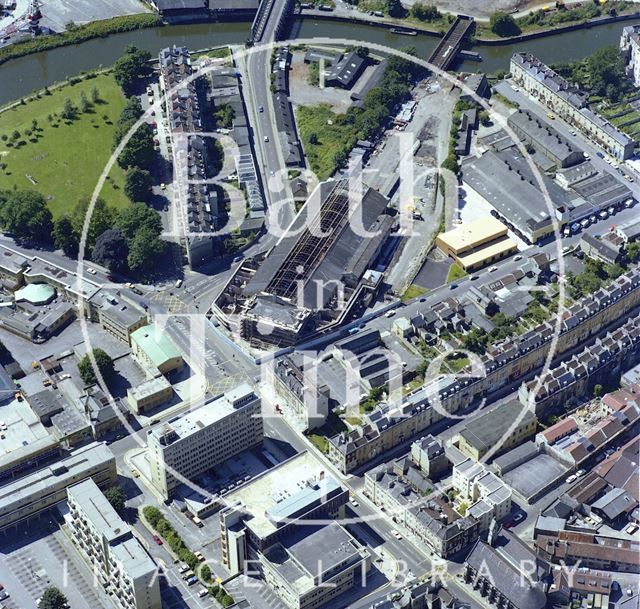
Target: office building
[149,394]
[118,560]
[189,445]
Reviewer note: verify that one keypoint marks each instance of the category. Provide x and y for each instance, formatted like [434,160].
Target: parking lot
[38,555]
[57,13]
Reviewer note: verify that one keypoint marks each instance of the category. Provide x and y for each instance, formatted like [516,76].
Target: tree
[425,12]
[633,251]
[137,185]
[227,601]
[395,8]
[111,250]
[116,497]
[25,214]
[95,94]
[139,151]
[606,73]
[65,237]
[313,138]
[598,390]
[68,110]
[503,24]
[34,124]
[52,598]
[130,67]
[136,217]
[104,363]
[129,115]
[145,251]
[85,106]
[102,219]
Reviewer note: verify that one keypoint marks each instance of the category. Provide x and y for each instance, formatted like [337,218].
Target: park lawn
[332,138]
[455,272]
[67,159]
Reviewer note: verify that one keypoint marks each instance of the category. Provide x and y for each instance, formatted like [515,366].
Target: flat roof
[23,429]
[156,344]
[35,293]
[471,234]
[497,248]
[260,495]
[60,474]
[210,413]
[98,510]
[149,387]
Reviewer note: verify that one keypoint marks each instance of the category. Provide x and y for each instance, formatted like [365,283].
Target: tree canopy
[135,217]
[503,24]
[111,250]
[139,151]
[137,185]
[116,497]
[65,237]
[130,67]
[25,214]
[52,598]
[104,363]
[101,220]
[145,250]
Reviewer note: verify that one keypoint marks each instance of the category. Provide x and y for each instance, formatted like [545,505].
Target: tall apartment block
[120,563]
[189,445]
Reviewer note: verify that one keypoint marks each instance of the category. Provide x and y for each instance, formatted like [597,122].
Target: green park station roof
[36,293]
[156,344]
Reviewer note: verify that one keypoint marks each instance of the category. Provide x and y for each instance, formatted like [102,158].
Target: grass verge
[455,272]
[413,291]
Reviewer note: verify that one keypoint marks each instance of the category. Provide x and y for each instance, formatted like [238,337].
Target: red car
[157,540]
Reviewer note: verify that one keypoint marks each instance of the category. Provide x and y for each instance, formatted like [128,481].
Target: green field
[455,272]
[64,158]
[331,138]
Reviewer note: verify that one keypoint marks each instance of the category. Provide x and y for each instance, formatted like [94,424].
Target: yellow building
[476,244]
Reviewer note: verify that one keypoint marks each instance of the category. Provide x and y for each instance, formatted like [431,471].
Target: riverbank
[483,37]
[80,34]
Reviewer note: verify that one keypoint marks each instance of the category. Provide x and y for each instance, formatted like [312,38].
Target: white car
[518,257]
[92,271]
[493,269]
[396,534]
[266,138]
[581,472]
[571,478]
[353,502]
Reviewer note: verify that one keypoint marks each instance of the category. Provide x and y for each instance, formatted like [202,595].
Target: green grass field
[331,138]
[65,160]
[455,272]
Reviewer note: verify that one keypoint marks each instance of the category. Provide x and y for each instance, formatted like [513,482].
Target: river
[21,76]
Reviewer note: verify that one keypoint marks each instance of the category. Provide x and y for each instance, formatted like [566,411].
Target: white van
[179,283]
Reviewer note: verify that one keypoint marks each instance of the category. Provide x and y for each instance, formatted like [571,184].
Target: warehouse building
[544,138]
[153,348]
[476,244]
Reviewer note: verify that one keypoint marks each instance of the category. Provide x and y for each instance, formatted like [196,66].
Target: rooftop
[471,234]
[156,344]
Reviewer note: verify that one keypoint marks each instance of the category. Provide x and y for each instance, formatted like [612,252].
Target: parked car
[493,269]
[192,580]
[571,478]
[581,472]
[203,592]
[157,540]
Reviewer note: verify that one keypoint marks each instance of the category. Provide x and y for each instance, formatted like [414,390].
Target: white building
[484,494]
[192,444]
[569,102]
[118,560]
[630,49]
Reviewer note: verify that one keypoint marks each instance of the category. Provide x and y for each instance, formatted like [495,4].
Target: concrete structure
[568,102]
[25,497]
[118,560]
[149,394]
[194,443]
[493,431]
[314,565]
[630,49]
[477,244]
[153,348]
[429,456]
[273,505]
[116,317]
